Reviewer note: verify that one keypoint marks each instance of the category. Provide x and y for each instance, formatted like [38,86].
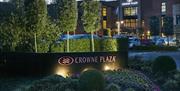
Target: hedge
[91,80]
[84,45]
[163,64]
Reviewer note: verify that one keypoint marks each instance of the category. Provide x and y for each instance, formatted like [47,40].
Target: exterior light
[106,68]
[122,22]
[117,22]
[63,71]
[87,69]
[113,66]
[148,32]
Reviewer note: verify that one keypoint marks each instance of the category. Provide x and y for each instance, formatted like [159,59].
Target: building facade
[176,16]
[132,16]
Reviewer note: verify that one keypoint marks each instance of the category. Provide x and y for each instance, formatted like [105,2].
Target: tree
[154,25]
[36,21]
[13,28]
[168,27]
[10,34]
[67,17]
[49,36]
[91,17]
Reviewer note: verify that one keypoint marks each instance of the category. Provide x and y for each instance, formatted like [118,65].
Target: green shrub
[84,45]
[137,63]
[163,64]
[53,83]
[58,47]
[91,80]
[112,87]
[172,83]
[80,45]
[109,45]
[130,89]
[129,79]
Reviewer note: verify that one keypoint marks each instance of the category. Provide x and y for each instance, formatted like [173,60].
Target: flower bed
[125,79]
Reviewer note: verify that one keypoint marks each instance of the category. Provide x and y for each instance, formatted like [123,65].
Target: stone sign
[60,63]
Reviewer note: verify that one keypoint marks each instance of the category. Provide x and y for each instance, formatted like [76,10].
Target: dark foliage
[91,80]
[163,64]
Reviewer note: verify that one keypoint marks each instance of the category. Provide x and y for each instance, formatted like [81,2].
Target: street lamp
[148,34]
[119,23]
[118,27]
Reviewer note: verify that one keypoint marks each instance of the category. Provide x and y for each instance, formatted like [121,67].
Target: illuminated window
[104,24]
[163,7]
[130,11]
[130,23]
[104,12]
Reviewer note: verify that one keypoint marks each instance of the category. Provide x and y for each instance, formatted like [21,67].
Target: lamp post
[119,23]
[119,20]
[118,27]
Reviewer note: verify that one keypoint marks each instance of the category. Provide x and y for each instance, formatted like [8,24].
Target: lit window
[130,11]
[104,24]
[130,23]
[104,12]
[163,7]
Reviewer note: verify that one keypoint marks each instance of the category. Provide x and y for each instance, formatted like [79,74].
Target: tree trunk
[35,42]
[92,42]
[67,43]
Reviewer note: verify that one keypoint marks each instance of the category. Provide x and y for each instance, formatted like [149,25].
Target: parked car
[166,42]
[77,36]
[155,38]
[160,42]
[65,36]
[147,42]
[170,41]
[134,42]
[119,36]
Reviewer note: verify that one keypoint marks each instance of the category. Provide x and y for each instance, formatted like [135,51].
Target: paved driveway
[152,55]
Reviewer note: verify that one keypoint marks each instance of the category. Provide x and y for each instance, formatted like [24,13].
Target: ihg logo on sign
[66,60]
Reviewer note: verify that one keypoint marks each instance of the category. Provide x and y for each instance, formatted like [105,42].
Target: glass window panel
[104,12]
[104,24]
[130,23]
[163,7]
[130,11]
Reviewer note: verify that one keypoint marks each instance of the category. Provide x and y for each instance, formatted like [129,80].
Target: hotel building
[132,16]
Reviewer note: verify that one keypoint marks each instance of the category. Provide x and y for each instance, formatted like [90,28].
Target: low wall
[58,63]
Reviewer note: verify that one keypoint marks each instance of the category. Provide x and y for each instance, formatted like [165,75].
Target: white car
[166,42]
[170,41]
[160,42]
[77,36]
[134,42]
[119,36]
